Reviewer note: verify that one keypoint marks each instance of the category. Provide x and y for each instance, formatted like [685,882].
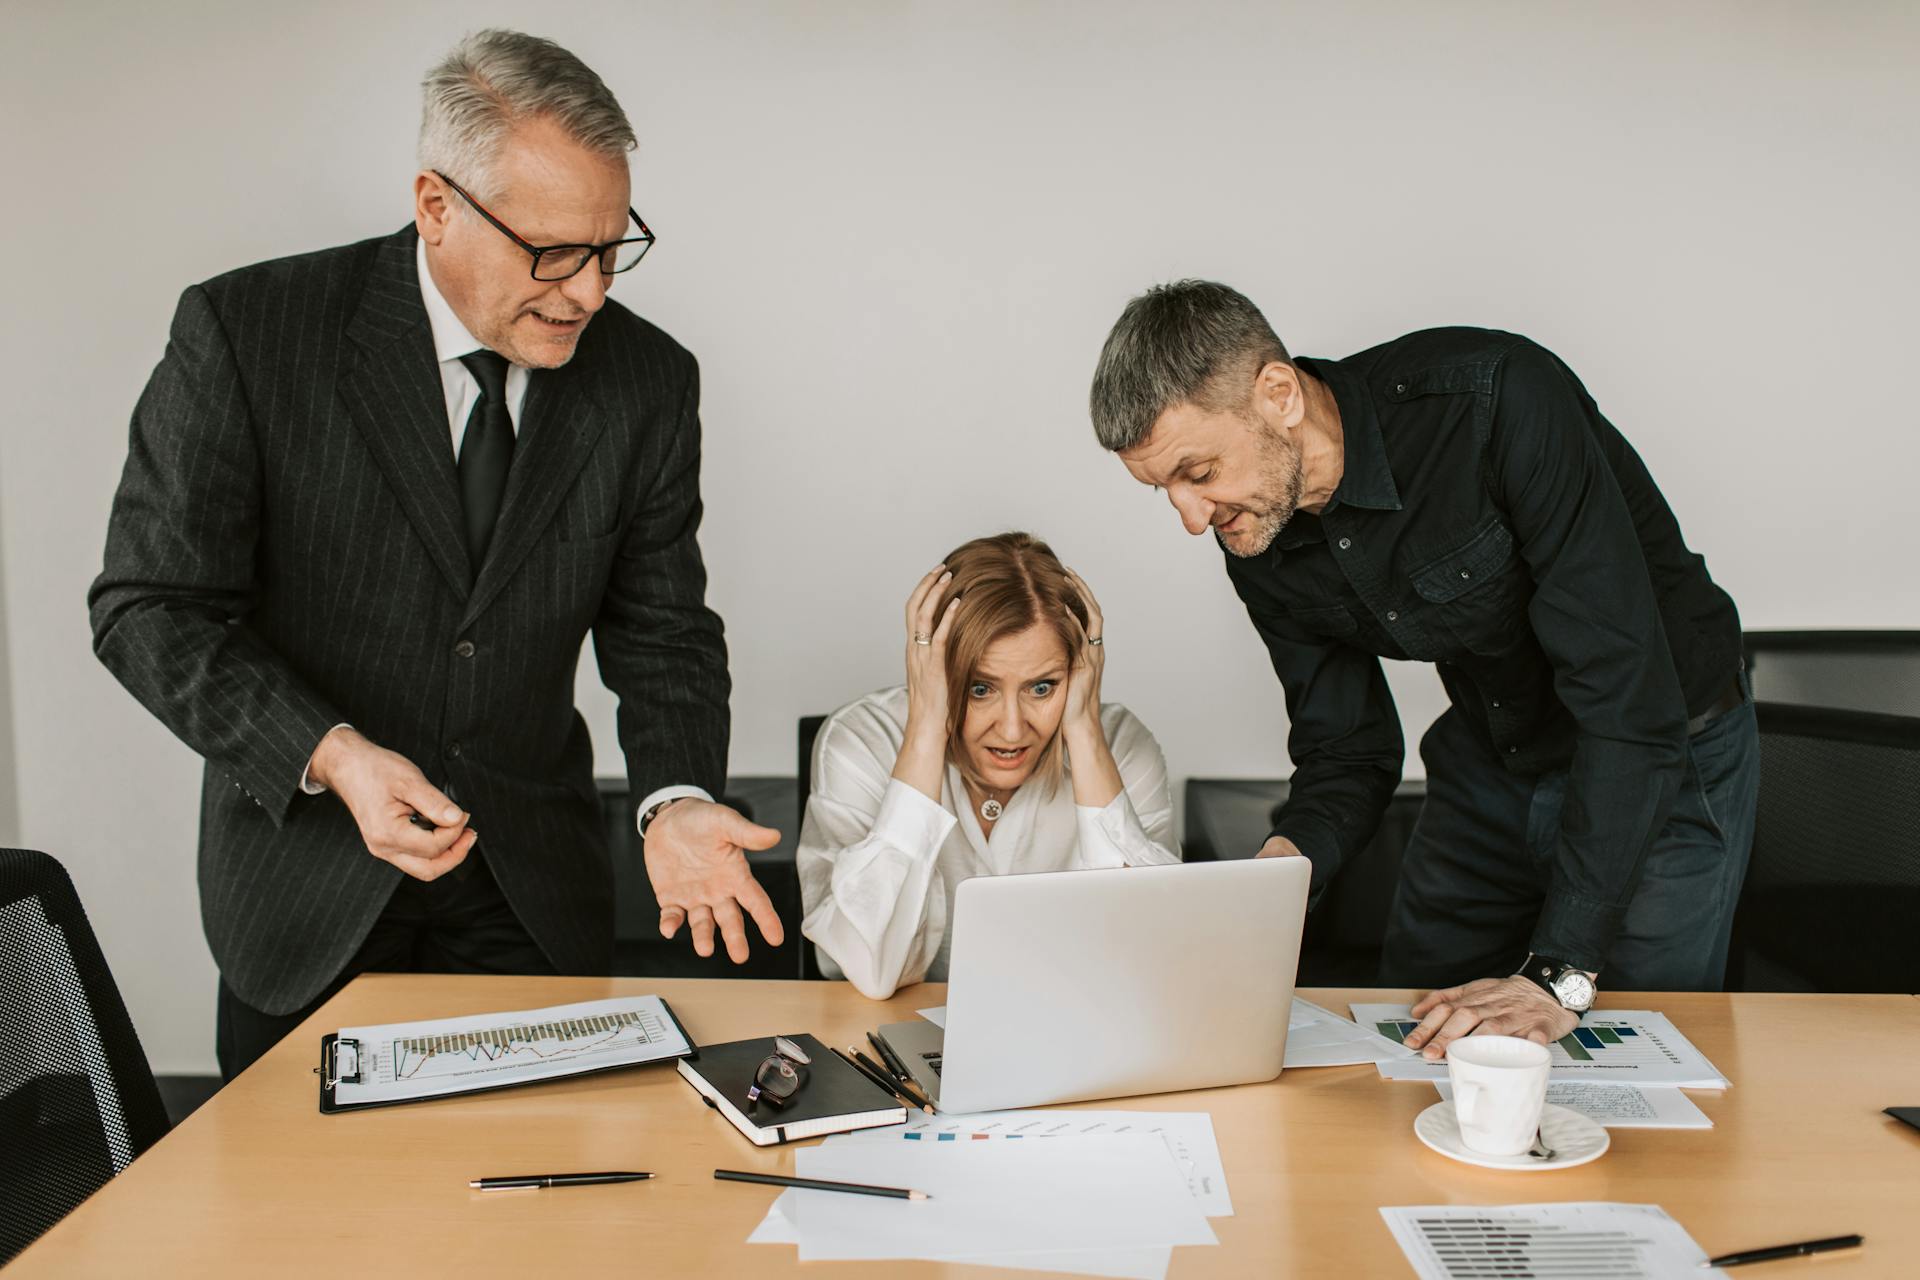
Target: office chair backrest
[77,1098]
[1854,670]
[803,775]
[1833,890]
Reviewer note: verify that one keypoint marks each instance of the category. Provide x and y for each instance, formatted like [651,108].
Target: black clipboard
[329,1073]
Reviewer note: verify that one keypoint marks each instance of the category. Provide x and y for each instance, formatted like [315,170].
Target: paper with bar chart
[404,1061]
[1624,1046]
[1546,1241]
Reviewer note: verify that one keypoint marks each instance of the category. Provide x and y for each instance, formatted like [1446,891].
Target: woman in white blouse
[995,757]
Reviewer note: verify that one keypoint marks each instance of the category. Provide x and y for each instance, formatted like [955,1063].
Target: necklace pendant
[990,809]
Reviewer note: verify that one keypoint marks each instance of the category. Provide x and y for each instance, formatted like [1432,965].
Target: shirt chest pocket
[1478,592]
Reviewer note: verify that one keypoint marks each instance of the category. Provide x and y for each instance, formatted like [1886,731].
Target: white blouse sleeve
[1135,829]
[871,897]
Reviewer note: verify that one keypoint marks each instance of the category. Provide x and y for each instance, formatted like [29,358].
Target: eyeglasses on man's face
[564,261]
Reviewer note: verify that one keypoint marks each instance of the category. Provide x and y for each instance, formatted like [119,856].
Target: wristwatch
[1573,988]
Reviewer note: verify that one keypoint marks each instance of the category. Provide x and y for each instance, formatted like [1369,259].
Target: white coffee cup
[1499,1086]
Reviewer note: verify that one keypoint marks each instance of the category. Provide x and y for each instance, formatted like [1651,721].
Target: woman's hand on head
[927,655]
[1089,662]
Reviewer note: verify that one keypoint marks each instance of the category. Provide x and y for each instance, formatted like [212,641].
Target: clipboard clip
[343,1063]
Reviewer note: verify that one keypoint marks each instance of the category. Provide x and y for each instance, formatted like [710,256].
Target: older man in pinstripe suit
[376,498]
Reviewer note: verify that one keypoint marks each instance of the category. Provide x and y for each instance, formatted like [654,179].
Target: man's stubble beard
[1282,480]
[504,342]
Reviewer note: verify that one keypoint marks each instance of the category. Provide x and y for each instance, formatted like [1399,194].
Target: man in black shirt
[1455,497]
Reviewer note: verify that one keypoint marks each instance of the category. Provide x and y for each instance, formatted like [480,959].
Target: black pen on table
[877,1078]
[1785,1251]
[535,1180]
[898,1070]
[815,1184]
[913,1096]
[888,1056]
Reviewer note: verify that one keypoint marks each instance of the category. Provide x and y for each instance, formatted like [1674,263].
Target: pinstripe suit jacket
[286,553]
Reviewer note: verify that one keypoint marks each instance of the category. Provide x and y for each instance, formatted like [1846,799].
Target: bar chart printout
[1620,1046]
[454,1055]
[1545,1241]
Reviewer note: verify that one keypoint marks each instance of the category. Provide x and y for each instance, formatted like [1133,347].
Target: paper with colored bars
[1317,1038]
[1622,1046]
[1546,1242]
[403,1061]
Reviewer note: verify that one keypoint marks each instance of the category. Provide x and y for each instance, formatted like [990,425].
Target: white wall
[9,781]
[896,236]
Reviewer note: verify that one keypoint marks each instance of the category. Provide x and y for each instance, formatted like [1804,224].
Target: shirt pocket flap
[1483,556]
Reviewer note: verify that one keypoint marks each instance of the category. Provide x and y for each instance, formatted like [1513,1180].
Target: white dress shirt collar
[451,340]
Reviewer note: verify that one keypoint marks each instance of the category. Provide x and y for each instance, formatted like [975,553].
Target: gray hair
[1189,342]
[493,80]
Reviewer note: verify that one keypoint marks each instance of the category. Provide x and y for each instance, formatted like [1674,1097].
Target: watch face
[1575,990]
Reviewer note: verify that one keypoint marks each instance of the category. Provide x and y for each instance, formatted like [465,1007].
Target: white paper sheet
[1546,1241]
[1620,1106]
[1122,1264]
[1618,1046]
[405,1060]
[1188,1134]
[1068,1194]
[938,1017]
[1319,1038]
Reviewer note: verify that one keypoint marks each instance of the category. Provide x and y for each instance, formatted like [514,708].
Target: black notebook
[836,1098]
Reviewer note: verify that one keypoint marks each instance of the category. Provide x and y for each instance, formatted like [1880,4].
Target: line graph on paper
[410,1060]
[606,1035]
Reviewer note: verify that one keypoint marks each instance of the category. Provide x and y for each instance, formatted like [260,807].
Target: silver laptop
[1070,985]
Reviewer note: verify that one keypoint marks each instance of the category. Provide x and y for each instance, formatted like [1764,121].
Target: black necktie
[486,452]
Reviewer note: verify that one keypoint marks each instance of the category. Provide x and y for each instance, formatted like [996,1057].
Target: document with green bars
[1623,1046]
[404,1062]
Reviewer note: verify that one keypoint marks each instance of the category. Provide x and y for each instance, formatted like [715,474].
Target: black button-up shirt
[1491,521]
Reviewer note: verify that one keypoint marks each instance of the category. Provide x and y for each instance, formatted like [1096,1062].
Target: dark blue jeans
[1480,860]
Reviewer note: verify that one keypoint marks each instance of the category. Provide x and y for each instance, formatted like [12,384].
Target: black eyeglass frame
[588,252]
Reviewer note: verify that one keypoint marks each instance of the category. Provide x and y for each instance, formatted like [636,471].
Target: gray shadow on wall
[9,775]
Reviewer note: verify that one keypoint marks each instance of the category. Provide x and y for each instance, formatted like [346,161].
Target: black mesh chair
[1853,670]
[1833,891]
[77,1098]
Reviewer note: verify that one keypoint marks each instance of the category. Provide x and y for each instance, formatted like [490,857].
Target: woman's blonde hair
[1006,584]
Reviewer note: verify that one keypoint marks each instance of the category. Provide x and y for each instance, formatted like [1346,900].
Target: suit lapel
[559,426]
[394,392]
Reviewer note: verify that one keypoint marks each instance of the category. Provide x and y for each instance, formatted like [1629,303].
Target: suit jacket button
[453,749]
[464,649]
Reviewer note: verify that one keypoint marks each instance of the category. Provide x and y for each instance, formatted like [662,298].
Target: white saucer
[1574,1139]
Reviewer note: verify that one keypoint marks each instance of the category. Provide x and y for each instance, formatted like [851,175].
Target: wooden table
[257,1183]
